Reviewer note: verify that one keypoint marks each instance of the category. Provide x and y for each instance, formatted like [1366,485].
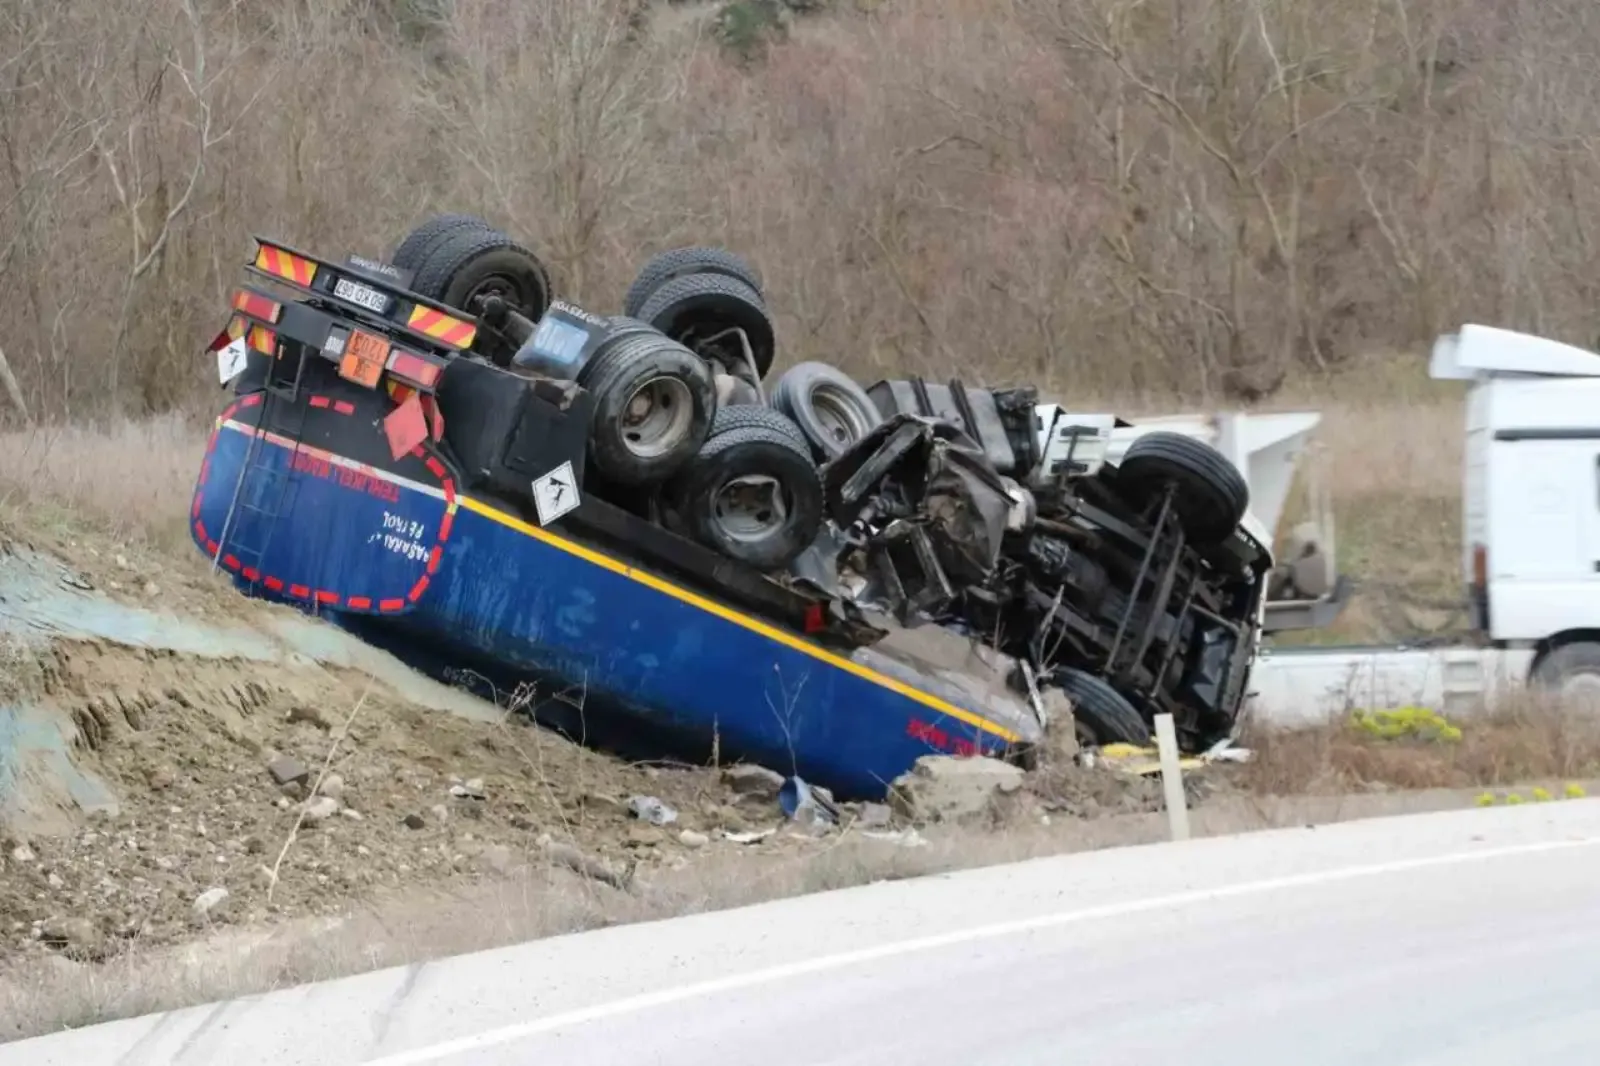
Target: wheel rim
[841,420]
[750,509]
[500,285]
[656,416]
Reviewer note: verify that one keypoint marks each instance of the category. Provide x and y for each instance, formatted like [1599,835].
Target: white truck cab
[1531,497]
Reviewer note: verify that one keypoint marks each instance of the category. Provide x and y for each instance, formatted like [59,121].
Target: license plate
[365,356]
[361,295]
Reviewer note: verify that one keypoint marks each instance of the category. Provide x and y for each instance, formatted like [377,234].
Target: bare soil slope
[160,738]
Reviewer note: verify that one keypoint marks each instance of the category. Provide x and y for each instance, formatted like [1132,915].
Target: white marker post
[1172,778]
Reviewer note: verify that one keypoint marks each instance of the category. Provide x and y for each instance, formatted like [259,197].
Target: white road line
[738,982]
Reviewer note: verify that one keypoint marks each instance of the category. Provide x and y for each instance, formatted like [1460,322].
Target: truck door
[1544,551]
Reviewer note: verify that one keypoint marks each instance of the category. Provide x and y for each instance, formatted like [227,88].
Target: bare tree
[177,88]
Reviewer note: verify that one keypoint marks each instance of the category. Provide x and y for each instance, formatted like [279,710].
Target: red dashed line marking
[304,592]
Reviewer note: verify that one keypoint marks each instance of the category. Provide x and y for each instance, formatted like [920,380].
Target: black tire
[828,406]
[747,416]
[622,325]
[635,453]
[1571,671]
[1101,714]
[1211,496]
[771,538]
[413,251]
[678,262]
[696,307]
[471,264]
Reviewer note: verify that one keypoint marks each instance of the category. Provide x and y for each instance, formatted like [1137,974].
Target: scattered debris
[309,715]
[652,810]
[589,866]
[748,781]
[945,788]
[472,790]
[1144,761]
[808,806]
[755,837]
[906,838]
[78,938]
[874,816]
[320,809]
[413,821]
[691,838]
[209,900]
[287,770]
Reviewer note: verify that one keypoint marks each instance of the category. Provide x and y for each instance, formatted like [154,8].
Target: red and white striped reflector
[286,265]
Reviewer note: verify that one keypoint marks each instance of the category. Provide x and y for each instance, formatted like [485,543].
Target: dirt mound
[211,764]
[160,737]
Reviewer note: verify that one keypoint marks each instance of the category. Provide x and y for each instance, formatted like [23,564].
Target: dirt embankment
[172,757]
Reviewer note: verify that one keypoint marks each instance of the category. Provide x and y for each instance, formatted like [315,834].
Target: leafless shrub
[1218,200]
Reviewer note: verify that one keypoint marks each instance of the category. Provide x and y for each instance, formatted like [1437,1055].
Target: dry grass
[133,478]
[1524,739]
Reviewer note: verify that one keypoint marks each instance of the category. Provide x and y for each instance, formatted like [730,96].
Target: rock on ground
[946,788]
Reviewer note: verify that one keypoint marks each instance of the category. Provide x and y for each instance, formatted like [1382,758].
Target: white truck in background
[1530,557]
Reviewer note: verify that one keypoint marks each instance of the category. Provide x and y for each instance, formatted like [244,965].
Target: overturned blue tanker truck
[612,516]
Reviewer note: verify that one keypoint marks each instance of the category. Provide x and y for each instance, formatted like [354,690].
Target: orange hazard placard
[365,356]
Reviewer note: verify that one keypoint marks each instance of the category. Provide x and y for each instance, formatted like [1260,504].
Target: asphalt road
[1464,938]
